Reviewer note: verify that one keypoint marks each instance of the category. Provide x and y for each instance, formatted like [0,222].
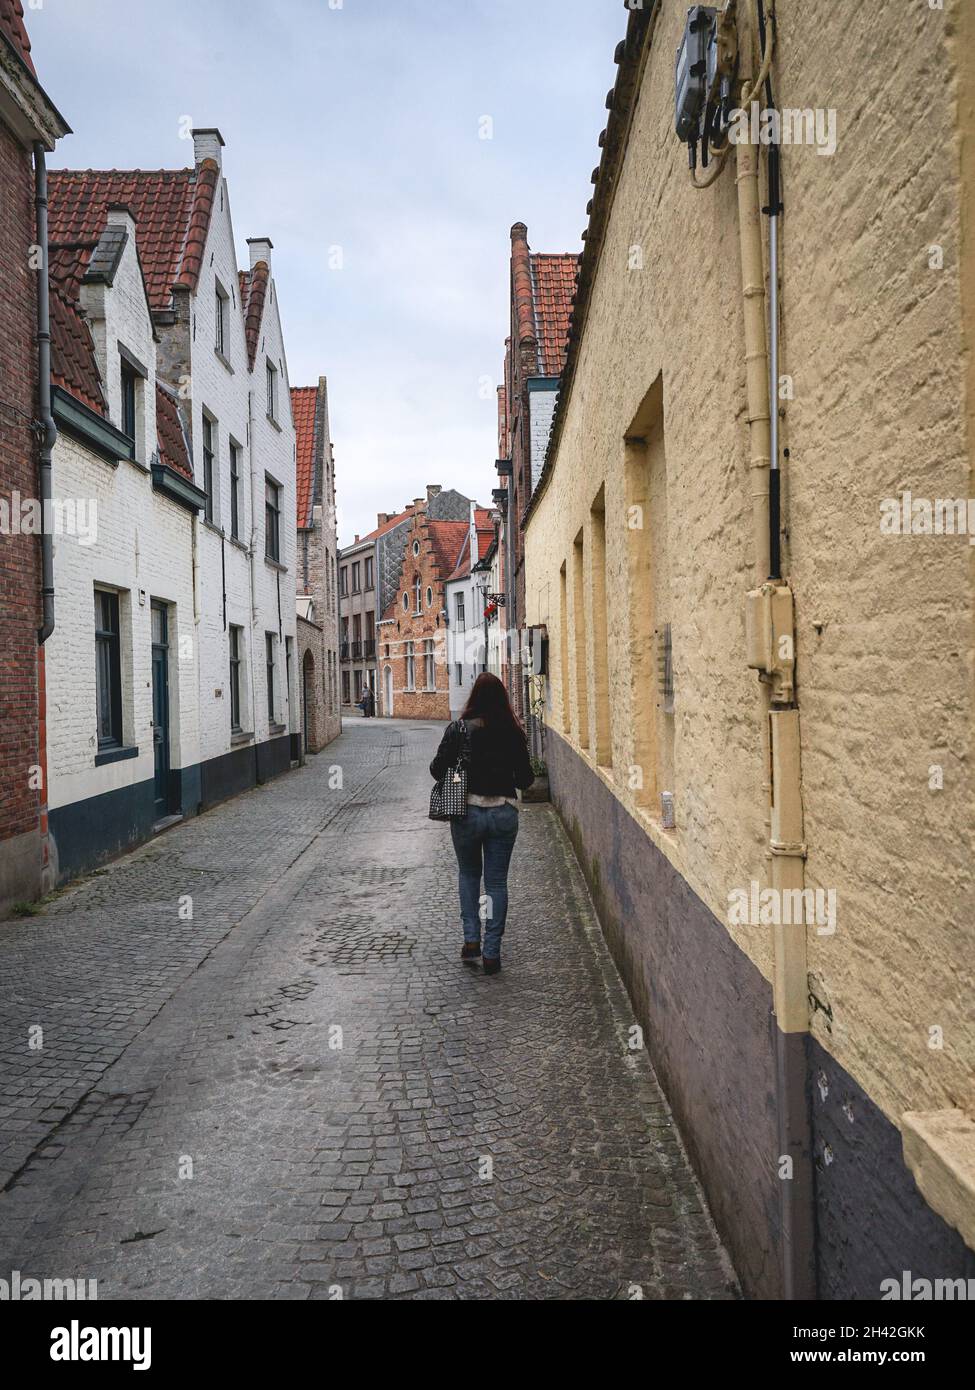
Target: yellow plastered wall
[872,341]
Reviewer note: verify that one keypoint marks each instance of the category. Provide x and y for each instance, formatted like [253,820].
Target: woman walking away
[498,762]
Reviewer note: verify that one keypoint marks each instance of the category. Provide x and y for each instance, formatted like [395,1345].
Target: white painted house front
[124,639]
[464,600]
[171,671]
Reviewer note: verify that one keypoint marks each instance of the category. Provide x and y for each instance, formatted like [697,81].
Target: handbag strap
[464,753]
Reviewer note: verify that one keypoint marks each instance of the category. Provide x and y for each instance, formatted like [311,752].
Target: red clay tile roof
[169,433]
[171,207]
[553,285]
[13,27]
[73,352]
[304,408]
[485,535]
[73,363]
[446,539]
[67,264]
[253,292]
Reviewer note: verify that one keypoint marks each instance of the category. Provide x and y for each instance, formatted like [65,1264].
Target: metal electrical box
[692,80]
[770,636]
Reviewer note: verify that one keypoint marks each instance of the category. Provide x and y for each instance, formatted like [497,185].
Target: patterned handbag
[448,800]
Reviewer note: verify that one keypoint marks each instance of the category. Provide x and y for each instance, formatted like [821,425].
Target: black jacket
[499,759]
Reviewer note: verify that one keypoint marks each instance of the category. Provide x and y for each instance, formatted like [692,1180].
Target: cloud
[359,127]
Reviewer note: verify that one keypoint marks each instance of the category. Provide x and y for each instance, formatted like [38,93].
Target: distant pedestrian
[368,703]
[498,762]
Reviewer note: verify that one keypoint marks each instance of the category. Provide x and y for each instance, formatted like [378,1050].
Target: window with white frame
[209,466]
[410,667]
[220,301]
[429,669]
[108,669]
[272,519]
[235,510]
[236,660]
[270,644]
[272,391]
[133,389]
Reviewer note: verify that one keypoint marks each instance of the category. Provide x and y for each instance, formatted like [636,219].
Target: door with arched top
[308,702]
[388,692]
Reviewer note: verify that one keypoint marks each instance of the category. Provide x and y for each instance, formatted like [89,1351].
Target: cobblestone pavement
[300,1092]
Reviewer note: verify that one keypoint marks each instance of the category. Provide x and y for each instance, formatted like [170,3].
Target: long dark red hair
[489,701]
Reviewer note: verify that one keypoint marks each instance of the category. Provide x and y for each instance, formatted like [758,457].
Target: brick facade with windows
[413,634]
[541,291]
[26,116]
[317,577]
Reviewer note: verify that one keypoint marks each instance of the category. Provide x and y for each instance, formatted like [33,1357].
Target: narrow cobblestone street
[191,1129]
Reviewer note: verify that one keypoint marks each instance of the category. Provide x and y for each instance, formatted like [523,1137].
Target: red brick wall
[19,555]
[406,626]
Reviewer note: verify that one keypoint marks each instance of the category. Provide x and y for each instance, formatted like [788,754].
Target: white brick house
[171,671]
[225,352]
[124,645]
[464,600]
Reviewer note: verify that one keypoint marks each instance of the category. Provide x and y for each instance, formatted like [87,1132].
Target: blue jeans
[483,842]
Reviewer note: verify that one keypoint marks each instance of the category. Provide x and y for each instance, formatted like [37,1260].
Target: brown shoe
[470,952]
[492,965]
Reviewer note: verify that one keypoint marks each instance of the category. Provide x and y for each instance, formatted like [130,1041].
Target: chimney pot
[207,144]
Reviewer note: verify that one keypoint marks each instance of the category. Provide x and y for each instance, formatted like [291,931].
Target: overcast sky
[358,125]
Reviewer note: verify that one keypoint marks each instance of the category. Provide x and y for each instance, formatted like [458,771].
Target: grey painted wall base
[20,869]
[707,1016]
[872,1222]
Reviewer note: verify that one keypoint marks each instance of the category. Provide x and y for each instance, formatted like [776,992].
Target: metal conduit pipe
[50,433]
[756,350]
[779,714]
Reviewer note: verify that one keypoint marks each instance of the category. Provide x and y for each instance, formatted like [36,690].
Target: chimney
[521,285]
[382,518]
[356,541]
[419,503]
[432,490]
[207,144]
[260,249]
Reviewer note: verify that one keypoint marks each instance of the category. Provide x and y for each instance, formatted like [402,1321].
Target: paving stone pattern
[300,1092]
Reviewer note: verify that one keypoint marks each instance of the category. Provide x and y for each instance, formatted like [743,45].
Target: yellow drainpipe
[770,642]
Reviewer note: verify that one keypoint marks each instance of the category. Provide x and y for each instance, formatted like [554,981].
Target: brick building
[793,918]
[317,570]
[412,636]
[27,118]
[369,576]
[542,287]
